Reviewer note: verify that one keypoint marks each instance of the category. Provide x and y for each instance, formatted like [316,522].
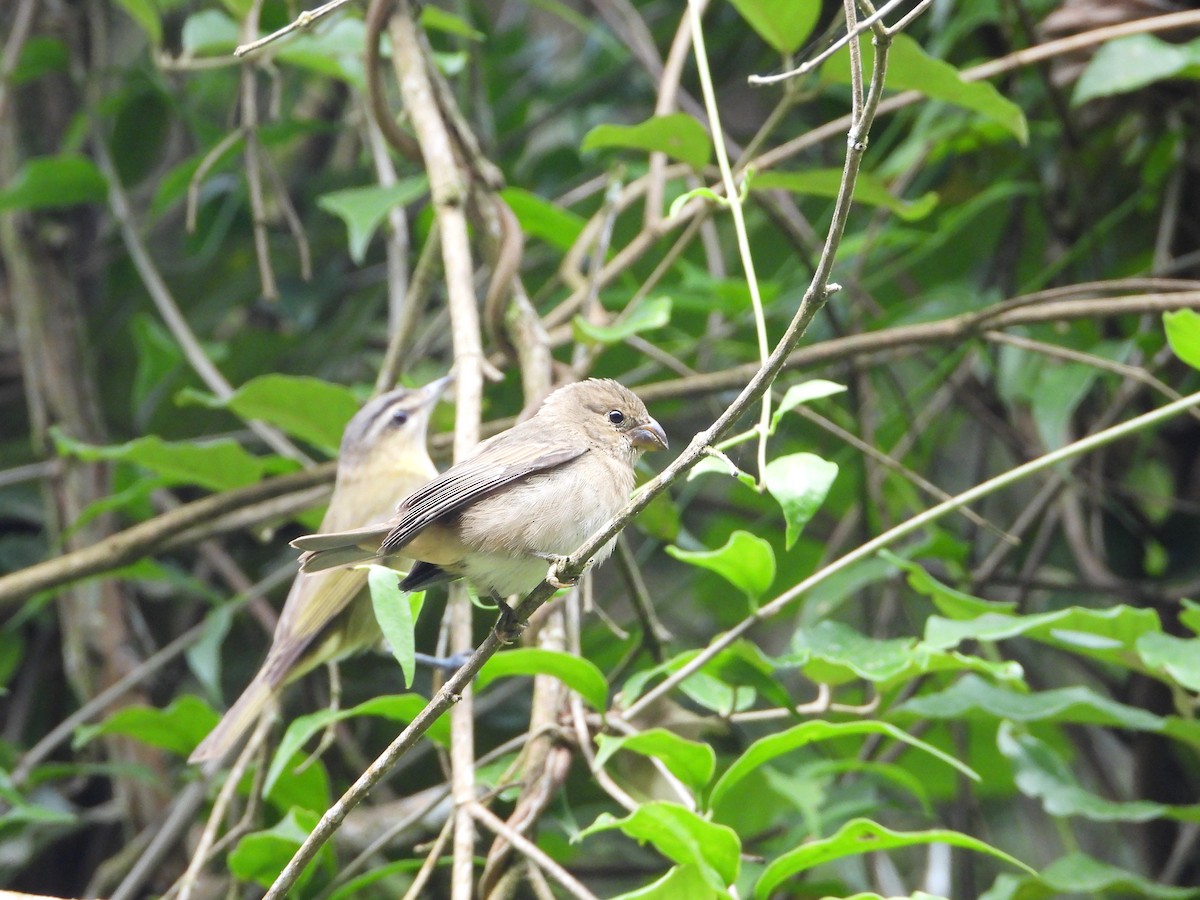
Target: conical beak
[649,436]
[433,391]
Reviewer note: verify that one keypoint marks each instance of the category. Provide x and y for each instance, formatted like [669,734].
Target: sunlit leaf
[651,313]
[540,218]
[784,24]
[768,748]
[1133,62]
[745,560]
[804,392]
[863,836]
[677,135]
[1042,774]
[261,855]
[178,728]
[681,836]
[1183,334]
[691,762]
[800,483]
[911,68]
[973,698]
[1081,876]
[310,409]
[580,675]
[396,612]
[364,208]
[215,464]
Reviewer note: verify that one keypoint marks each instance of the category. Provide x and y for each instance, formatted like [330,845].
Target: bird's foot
[508,627]
[447,664]
[555,576]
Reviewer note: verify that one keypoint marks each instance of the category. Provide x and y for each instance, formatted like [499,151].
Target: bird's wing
[462,484]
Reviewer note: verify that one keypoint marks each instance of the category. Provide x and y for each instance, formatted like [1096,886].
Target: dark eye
[399,417]
[616,417]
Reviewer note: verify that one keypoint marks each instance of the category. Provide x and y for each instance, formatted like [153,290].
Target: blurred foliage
[997,718]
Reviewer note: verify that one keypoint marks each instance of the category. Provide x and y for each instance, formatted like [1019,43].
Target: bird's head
[607,413]
[392,426]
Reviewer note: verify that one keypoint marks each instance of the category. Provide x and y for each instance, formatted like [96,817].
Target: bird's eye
[616,417]
[399,417]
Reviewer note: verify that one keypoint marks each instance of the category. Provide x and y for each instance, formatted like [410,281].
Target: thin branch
[144,538]
[302,22]
[449,190]
[808,65]
[739,222]
[531,850]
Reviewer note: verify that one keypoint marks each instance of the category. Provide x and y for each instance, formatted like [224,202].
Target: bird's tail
[339,548]
[237,721]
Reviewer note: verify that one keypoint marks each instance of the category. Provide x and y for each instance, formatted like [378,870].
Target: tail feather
[320,560]
[236,722]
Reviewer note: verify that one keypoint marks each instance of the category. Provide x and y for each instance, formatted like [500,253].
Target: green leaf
[1177,657]
[911,68]
[974,699]
[745,560]
[50,182]
[260,856]
[1042,774]
[950,602]
[864,836]
[799,483]
[651,313]
[1131,63]
[395,708]
[831,653]
[677,135]
[868,189]
[437,19]
[1110,635]
[40,56]
[178,728]
[580,675]
[334,51]
[804,392]
[364,208]
[209,31]
[215,465]
[679,882]
[310,409]
[784,24]
[681,836]
[145,13]
[1183,334]
[540,218]
[396,612]
[1078,875]
[716,465]
[768,748]
[691,762]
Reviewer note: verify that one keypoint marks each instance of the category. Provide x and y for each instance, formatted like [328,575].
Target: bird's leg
[508,627]
[556,563]
[447,664]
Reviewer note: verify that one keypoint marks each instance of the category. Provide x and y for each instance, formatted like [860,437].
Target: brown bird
[528,496]
[329,616]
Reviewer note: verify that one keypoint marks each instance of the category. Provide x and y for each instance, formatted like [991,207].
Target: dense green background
[1004,272]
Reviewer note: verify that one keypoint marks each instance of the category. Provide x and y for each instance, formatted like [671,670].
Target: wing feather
[463,484]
